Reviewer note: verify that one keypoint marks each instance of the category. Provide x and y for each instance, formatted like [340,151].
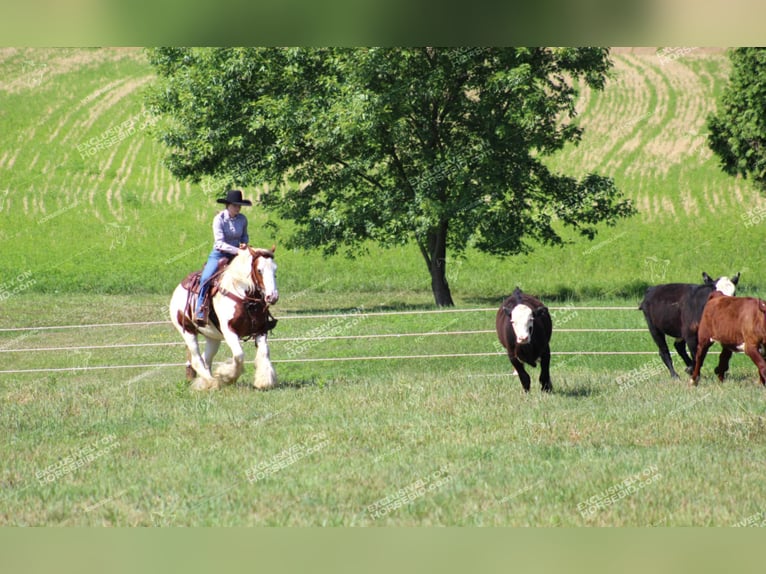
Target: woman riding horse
[229,235]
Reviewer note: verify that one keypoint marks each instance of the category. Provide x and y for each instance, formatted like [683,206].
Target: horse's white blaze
[521,319]
[725,286]
[267,269]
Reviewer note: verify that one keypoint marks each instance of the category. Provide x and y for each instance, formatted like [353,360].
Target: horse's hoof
[200,384]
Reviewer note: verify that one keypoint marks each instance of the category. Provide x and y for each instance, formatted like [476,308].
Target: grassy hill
[86,204]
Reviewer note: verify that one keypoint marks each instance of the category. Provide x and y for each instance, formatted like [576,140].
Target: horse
[239,310]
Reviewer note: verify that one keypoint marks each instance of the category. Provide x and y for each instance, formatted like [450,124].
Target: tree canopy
[738,128]
[441,146]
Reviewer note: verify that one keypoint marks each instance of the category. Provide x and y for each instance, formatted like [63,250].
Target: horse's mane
[262,252]
[238,273]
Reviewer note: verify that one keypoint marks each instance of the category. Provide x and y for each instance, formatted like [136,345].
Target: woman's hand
[243,245]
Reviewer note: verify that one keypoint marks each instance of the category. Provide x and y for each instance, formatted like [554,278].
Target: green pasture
[93,235]
[440,441]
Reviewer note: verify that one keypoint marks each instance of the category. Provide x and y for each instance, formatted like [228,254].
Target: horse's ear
[517,295]
[706,278]
[273,248]
[735,279]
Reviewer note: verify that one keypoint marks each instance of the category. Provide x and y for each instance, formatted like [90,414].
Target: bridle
[258,296]
[254,303]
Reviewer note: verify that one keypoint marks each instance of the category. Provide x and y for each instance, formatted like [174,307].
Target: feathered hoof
[265,379]
[200,384]
[228,373]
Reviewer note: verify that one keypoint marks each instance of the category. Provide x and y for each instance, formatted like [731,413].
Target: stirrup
[200,316]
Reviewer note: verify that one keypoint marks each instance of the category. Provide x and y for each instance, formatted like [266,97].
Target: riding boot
[201,315]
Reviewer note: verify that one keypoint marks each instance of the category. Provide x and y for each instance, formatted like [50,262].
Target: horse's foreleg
[229,372]
[265,376]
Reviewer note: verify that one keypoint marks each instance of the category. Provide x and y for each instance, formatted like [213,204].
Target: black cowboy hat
[234,196]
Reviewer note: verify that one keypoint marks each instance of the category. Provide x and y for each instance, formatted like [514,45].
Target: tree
[738,128]
[439,146]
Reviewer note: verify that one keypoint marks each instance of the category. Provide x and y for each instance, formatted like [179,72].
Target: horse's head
[264,273]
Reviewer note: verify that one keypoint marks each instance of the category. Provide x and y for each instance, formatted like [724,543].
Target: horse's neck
[231,281]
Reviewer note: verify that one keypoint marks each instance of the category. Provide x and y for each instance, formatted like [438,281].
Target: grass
[454,439]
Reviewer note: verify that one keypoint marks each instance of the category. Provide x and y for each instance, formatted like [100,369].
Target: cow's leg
[702,349]
[662,344]
[523,375]
[723,363]
[265,376]
[681,345]
[545,370]
[751,349]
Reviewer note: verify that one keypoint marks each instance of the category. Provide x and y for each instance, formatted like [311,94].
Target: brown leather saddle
[192,285]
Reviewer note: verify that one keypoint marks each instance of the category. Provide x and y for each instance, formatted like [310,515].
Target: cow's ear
[540,311]
[735,279]
[507,311]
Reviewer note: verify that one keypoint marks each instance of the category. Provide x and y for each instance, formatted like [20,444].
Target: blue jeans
[210,268]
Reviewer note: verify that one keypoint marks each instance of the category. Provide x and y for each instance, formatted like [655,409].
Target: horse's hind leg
[211,348]
[204,379]
[190,372]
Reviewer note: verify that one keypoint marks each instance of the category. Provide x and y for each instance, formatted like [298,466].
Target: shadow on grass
[359,309]
[577,392]
[567,294]
[245,384]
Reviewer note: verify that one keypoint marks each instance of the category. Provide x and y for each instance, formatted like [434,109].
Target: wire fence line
[315,338]
[322,360]
[304,339]
[312,316]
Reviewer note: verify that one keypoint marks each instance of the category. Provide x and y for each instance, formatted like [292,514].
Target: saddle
[192,285]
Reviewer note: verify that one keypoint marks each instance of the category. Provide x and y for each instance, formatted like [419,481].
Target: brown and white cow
[739,325]
[524,328]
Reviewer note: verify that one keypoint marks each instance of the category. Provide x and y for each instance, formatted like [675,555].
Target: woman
[230,235]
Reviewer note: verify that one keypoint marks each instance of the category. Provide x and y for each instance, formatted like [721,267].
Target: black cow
[675,310]
[524,328]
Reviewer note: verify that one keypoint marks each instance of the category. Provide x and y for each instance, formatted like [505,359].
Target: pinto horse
[239,309]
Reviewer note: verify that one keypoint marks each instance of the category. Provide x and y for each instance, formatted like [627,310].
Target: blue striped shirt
[229,232]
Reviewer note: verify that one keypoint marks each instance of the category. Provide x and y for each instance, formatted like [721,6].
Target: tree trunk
[435,255]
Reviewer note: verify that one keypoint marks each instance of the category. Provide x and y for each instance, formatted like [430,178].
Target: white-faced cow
[674,310]
[524,328]
[739,324]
